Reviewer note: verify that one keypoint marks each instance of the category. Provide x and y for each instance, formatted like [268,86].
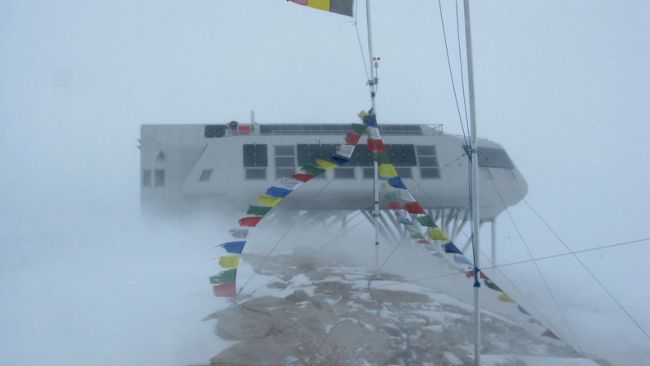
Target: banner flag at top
[344,7]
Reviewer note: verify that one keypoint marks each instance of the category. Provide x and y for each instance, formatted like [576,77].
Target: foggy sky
[562,85]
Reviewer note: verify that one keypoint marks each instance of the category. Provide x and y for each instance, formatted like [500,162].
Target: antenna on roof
[252,116]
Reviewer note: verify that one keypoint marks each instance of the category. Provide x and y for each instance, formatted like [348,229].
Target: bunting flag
[327,165]
[289,183]
[258,210]
[229,261]
[375,145]
[380,157]
[345,151]
[548,333]
[238,233]
[224,277]
[277,192]
[224,290]
[426,220]
[234,246]
[437,234]
[505,298]
[387,171]
[313,170]
[352,138]
[250,221]
[304,178]
[414,208]
[268,200]
[451,248]
[343,7]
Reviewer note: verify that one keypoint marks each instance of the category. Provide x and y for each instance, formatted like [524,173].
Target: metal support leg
[494,240]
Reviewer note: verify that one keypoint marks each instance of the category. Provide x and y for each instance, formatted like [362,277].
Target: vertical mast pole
[474,186]
[372,84]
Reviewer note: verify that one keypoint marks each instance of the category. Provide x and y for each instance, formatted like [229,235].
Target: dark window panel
[255,155]
[159,177]
[284,172]
[284,151]
[368,173]
[428,161]
[333,129]
[308,153]
[428,173]
[205,175]
[344,173]
[426,150]
[404,172]
[285,161]
[214,131]
[401,154]
[256,173]
[491,157]
[146,178]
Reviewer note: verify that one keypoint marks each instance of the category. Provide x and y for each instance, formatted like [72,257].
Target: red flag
[414,208]
[224,290]
[375,145]
[303,177]
[250,221]
[394,205]
[352,138]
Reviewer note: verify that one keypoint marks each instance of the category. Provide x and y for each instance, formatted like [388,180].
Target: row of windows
[256,155]
[342,173]
[158,178]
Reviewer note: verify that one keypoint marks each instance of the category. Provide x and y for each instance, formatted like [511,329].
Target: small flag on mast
[343,7]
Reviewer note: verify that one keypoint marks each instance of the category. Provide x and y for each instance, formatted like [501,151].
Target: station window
[255,161]
[404,172]
[344,173]
[285,161]
[256,173]
[368,173]
[146,178]
[205,175]
[159,178]
[428,162]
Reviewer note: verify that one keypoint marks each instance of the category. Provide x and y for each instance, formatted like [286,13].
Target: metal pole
[474,187]
[372,84]
[494,241]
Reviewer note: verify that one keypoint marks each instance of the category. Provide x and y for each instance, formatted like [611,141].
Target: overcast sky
[562,85]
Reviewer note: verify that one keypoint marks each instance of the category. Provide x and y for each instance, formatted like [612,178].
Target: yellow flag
[268,200]
[437,234]
[327,165]
[505,298]
[229,261]
[387,170]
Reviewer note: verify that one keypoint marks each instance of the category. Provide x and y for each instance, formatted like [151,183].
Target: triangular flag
[224,290]
[375,145]
[359,128]
[313,170]
[234,246]
[258,210]
[277,192]
[505,298]
[303,177]
[229,261]
[387,171]
[396,183]
[373,133]
[343,7]
[345,151]
[352,138]
[327,165]
[250,221]
[437,234]
[425,220]
[414,208]
[224,277]
[268,200]
[289,183]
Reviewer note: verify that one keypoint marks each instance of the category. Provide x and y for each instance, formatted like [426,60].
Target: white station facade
[228,165]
